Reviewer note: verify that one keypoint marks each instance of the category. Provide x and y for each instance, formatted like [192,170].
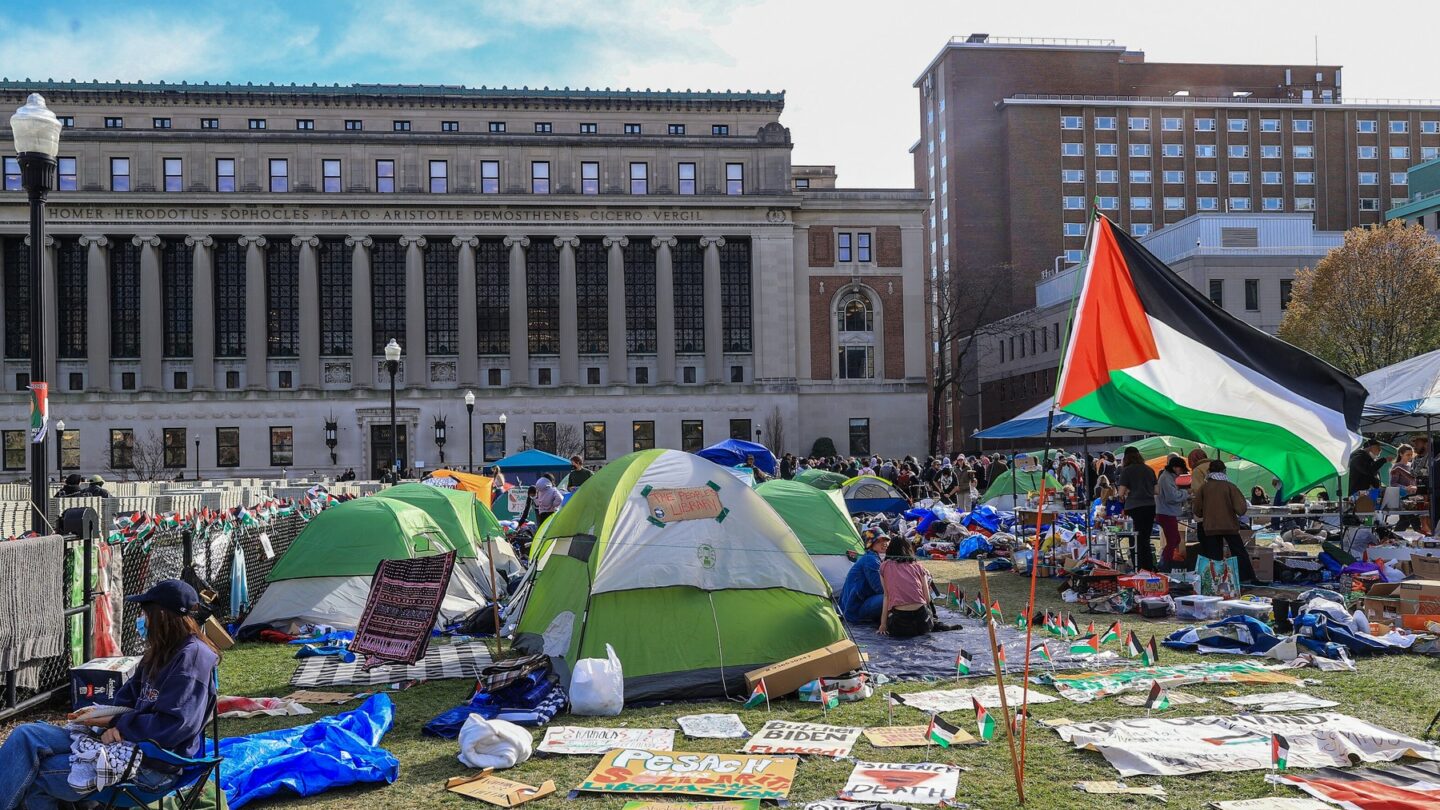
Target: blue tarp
[1032,423]
[310,759]
[532,460]
[732,452]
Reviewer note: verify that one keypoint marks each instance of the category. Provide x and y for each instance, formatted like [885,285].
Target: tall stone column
[469,335]
[569,312]
[664,309]
[619,358]
[309,310]
[202,313]
[256,335]
[97,313]
[417,367]
[152,314]
[362,361]
[519,312]
[714,322]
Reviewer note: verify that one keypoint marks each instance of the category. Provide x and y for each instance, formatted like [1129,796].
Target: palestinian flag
[1113,634]
[760,696]
[1151,353]
[1090,629]
[1000,657]
[977,608]
[1279,752]
[1020,622]
[828,699]
[1132,645]
[952,596]
[1150,656]
[1017,721]
[1158,699]
[941,733]
[983,720]
[995,612]
[1042,651]
[39,411]
[962,663]
[1089,646]
[1048,623]
[1071,628]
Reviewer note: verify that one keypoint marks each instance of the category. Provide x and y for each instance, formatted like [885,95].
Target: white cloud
[129,47]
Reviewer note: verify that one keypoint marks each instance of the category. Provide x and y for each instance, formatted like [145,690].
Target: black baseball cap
[171,594]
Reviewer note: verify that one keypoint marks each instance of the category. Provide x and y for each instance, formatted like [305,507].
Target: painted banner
[1083,687]
[687,503]
[840,804]
[1154,746]
[578,740]
[902,782]
[721,726]
[487,787]
[1272,803]
[910,736]
[733,776]
[782,737]
[936,701]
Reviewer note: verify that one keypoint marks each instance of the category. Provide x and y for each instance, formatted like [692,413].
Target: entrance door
[380,448]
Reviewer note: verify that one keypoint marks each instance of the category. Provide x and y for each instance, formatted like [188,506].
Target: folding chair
[193,773]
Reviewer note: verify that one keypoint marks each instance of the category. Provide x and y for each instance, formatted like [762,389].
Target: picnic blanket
[463,660]
[405,597]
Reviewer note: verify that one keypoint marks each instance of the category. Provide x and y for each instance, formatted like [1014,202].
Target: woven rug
[400,611]
[463,660]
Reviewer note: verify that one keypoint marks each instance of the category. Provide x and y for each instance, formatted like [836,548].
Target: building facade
[1423,206]
[1020,137]
[611,270]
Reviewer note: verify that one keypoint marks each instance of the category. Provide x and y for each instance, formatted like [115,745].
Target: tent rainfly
[820,520]
[733,452]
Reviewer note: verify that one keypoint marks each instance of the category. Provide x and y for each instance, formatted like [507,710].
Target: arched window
[855,314]
[855,335]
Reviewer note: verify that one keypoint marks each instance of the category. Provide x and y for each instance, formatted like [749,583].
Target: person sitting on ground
[578,473]
[862,598]
[1218,509]
[168,696]
[97,487]
[907,610]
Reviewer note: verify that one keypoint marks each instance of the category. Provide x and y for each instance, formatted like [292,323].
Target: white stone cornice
[257,241]
[611,241]
[717,241]
[572,241]
[465,241]
[668,241]
[85,241]
[417,241]
[202,241]
[142,241]
[522,241]
[352,241]
[305,241]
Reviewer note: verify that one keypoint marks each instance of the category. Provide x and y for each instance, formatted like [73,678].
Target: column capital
[522,241]
[142,241]
[202,241]
[85,241]
[257,241]
[667,241]
[611,241]
[465,241]
[417,241]
[717,241]
[305,241]
[572,241]
[352,241]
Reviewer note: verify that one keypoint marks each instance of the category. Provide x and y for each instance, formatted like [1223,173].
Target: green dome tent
[466,520]
[1016,483]
[821,522]
[820,479]
[324,577]
[685,571]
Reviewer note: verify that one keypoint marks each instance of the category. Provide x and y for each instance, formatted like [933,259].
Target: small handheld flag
[1071,628]
[962,663]
[1042,651]
[1159,697]
[1090,629]
[1113,634]
[760,695]
[1087,646]
[977,608]
[1000,658]
[1132,645]
[891,701]
[829,700]
[1017,721]
[1151,655]
[983,720]
[1279,752]
[940,732]
[1020,622]
[952,595]
[995,612]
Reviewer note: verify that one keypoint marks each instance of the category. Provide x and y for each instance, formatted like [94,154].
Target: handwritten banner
[902,783]
[688,503]
[782,737]
[578,740]
[730,776]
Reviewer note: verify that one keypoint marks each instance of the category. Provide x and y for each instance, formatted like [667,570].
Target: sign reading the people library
[781,737]
[686,503]
[729,776]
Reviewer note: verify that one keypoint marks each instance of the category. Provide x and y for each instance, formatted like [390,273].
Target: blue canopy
[532,460]
[1031,423]
[732,452]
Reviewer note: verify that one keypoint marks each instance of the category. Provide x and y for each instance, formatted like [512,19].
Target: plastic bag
[597,688]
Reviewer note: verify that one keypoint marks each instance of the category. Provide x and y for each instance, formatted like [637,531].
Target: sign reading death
[732,776]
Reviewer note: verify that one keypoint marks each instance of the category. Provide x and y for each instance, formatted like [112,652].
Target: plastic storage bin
[1198,607]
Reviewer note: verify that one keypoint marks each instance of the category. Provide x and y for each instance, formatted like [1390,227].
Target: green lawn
[1397,692]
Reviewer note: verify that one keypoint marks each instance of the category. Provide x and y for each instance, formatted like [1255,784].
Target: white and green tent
[684,570]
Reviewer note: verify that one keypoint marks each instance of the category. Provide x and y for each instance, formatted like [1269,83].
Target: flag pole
[1000,682]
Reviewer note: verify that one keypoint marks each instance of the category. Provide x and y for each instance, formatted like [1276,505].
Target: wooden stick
[1000,682]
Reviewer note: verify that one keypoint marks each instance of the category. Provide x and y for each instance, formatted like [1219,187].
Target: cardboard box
[1382,603]
[1422,567]
[215,631]
[1419,596]
[95,682]
[1262,559]
[788,676]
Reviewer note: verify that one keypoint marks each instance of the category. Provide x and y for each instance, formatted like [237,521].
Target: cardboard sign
[515,500]
[1118,788]
[487,787]
[719,726]
[687,503]
[909,737]
[733,776]
[902,782]
[577,740]
[741,804]
[782,737]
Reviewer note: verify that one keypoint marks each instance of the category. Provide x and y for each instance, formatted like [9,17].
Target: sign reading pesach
[730,776]
[781,737]
[688,503]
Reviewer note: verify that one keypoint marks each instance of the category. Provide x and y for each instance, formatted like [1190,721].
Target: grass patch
[1397,692]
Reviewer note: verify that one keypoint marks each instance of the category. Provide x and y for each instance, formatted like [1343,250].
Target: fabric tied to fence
[32,605]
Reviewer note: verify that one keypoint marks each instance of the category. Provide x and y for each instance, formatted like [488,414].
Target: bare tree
[964,308]
[775,429]
[145,456]
[568,441]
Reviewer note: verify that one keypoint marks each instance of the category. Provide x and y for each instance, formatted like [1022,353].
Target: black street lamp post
[197,459]
[37,141]
[440,437]
[392,365]
[470,429]
[332,438]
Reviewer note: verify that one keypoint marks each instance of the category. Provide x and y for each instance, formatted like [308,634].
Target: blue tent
[1031,424]
[732,452]
[533,461]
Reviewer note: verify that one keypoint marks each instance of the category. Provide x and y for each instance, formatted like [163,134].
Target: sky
[847,67]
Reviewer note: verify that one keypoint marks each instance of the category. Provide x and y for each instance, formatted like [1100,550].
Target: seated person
[863,597]
[906,584]
[1107,503]
[169,697]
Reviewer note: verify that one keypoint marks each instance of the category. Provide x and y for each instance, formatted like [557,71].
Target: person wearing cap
[862,598]
[169,698]
[97,487]
[1365,464]
[72,487]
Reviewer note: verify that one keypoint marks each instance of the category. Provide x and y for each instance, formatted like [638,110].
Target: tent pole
[1085,479]
[989,619]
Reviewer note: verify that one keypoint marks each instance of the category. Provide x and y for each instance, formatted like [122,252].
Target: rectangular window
[1072,149]
[385,176]
[304,123]
[1367,152]
[400,126]
[66,121]
[1398,179]
[1139,123]
[1174,203]
[15,441]
[592,375]
[180,381]
[1173,150]
[122,448]
[862,246]
[1107,176]
[1237,125]
[1365,126]
[1107,203]
[1239,178]
[330,176]
[257,123]
[69,177]
[1069,175]
[1430,127]
[1369,178]
[1106,150]
[545,433]
[497,126]
[685,173]
[1073,256]
[859,437]
[1207,204]
[539,177]
[1072,122]
[1139,150]
[119,174]
[590,178]
[1269,124]
[844,243]
[1217,292]
[1286,285]
[676,129]
[589,129]
[632,129]
[1074,229]
[160,123]
[1204,124]
[594,441]
[225,174]
[1399,153]
[642,375]
[1252,295]
[639,177]
[1171,124]
[114,122]
[1272,204]
[1304,203]
[1140,176]
[1140,229]
[1239,203]
[439,177]
[1141,203]
[1238,151]
[802,183]
[1206,178]
[489,177]
[1106,122]
[692,435]
[740,429]
[643,433]
[1305,152]
[67,450]
[1304,178]
[1271,152]
[492,440]
[734,178]
[1272,178]
[1369,204]
[1429,152]
[544,127]
[1302,125]
[1204,150]
[173,442]
[282,446]
[174,174]
[1073,203]
[279,174]
[720,129]
[354,125]
[1174,177]
[449,126]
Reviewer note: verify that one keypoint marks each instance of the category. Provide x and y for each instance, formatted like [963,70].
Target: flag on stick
[995,612]
[829,700]
[758,696]
[1087,646]
[983,720]
[1151,655]
[940,732]
[1000,657]
[952,596]
[39,411]
[1279,752]
[1132,645]
[891,701]
[1159,697]
[1042,651]
[962,663]
[1113,634]
[1090,629]
[1017,721]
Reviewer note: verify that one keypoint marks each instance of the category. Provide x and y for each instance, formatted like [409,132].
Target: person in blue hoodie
[169,696]
[863,598]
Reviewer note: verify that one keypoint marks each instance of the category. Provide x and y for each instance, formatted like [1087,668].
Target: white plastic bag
[597,688]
